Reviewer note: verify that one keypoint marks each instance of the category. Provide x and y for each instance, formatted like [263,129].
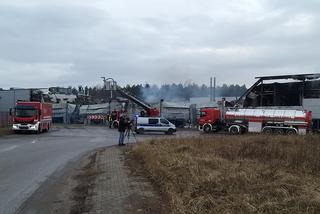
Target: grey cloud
[229,40]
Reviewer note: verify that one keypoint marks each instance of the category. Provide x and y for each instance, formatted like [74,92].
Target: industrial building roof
[294,77]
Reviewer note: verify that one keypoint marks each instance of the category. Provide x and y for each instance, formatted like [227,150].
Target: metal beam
[301,77]
[239,101]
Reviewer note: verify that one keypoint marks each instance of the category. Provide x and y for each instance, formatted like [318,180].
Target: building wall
[62,112]
[176,113]
[8,98]
[5,119]
[312,105]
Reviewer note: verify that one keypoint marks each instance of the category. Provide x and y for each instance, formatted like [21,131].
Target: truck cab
[209,119]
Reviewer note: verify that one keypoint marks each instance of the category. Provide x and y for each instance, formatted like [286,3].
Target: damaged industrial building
[300,92]
[294,91]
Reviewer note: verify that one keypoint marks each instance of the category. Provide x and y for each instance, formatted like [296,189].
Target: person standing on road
[122,128]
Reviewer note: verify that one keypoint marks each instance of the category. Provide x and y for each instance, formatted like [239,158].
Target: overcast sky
[71,42]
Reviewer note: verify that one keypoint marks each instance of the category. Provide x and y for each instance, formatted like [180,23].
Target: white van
[154,124]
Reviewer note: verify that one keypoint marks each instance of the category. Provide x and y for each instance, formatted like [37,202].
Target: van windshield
[164,121]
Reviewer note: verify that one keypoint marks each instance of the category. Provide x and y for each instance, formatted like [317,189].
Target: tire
[234,130]
[169,132]
[115,125]
[279,131]
[291,132]
[140,131]
[267,131]
[39,129]
[243,130]
[207,128]
[46,129]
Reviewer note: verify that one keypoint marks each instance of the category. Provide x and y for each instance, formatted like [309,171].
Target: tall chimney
[211,89]
[214,89]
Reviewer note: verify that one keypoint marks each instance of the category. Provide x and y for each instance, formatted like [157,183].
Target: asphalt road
[28,160]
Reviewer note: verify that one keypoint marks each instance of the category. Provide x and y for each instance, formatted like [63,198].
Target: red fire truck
[32,117]
[237,121]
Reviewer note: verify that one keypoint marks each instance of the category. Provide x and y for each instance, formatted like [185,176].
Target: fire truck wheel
[46,129]
[279,131]
[207,128]
[291,132]
[234,130]
[39,130]
[267,131]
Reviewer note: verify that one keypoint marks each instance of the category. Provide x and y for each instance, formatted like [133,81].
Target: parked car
[154,124]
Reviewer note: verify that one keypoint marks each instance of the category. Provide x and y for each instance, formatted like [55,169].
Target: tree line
[153,93]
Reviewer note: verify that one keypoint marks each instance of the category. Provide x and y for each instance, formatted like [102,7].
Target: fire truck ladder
[134,99]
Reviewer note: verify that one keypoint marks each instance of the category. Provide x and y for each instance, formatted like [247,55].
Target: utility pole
[214,89]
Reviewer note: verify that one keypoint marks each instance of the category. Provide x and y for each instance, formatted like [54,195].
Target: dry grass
[236,174]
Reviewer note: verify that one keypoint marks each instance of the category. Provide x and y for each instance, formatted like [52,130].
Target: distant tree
[134,90]
[74,91]
[86,90]
[153,93]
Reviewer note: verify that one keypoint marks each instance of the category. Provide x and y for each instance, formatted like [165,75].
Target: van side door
[165,125]
[154,124]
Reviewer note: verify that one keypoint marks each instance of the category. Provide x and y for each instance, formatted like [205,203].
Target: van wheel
[169,132]
[140,131]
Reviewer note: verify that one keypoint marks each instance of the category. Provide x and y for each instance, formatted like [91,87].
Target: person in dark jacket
[122,128]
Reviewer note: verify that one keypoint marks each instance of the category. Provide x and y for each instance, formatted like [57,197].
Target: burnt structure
[295,91]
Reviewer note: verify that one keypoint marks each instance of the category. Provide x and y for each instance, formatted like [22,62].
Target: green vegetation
[5,131]
[235,174]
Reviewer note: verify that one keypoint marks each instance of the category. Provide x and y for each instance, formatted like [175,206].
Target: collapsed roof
[291,93]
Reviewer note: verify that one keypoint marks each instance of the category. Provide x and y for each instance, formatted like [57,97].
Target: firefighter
[109,118]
